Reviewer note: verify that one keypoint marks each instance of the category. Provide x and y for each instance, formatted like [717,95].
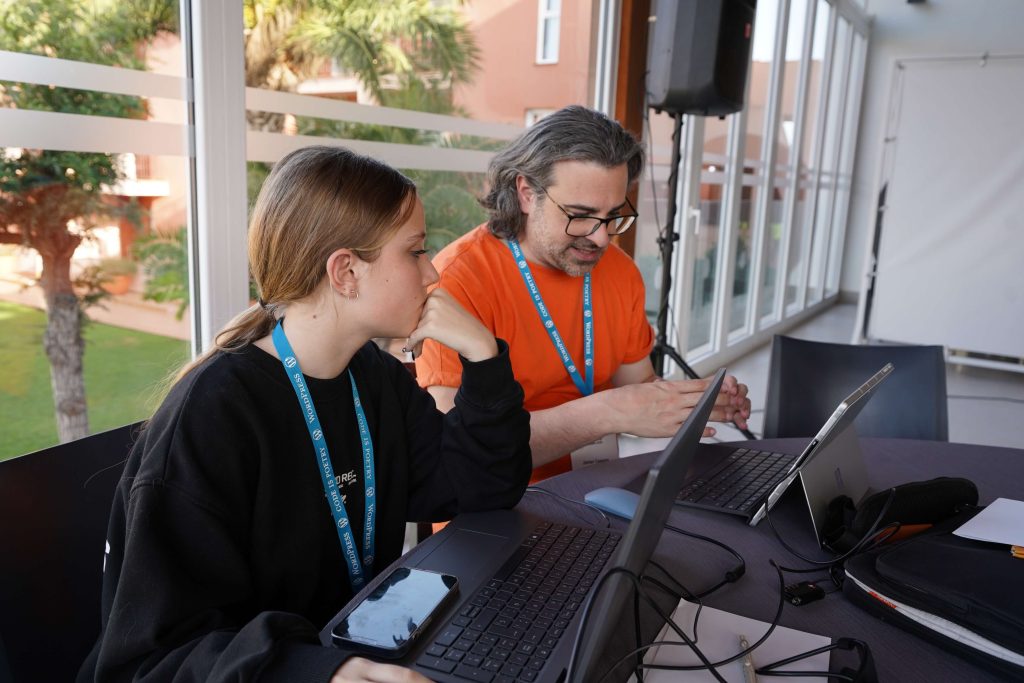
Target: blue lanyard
[586,387]
[357,571]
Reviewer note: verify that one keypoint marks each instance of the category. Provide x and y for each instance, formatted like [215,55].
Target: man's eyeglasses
[584,226]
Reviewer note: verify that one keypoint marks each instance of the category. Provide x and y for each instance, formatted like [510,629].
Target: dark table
[899,656]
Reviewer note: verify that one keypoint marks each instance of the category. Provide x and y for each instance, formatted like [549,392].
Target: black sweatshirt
[223,559]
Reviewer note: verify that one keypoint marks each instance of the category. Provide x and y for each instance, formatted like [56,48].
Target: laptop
[748,482]
[524,582]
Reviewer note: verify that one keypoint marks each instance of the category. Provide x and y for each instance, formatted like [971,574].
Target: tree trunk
[64,344]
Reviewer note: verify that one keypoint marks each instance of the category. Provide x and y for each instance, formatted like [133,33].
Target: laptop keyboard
[739,482]
[510,627]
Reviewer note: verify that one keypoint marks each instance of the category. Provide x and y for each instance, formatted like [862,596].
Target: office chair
[808,379]
[54,510]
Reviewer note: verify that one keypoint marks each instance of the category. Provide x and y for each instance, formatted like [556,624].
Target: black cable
[766,669]
[709,666]
[855,549]
[665,348]
[538,489]
[730,576]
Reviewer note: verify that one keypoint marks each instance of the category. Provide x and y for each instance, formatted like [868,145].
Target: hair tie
[262,303]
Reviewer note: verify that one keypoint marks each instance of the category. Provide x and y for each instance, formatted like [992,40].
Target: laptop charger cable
[870,539]
[864,673]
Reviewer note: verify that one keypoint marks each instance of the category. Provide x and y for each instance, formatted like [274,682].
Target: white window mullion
[818,155]
[729,227]
[789,209]
[217,254]
[769,154]
[836,171]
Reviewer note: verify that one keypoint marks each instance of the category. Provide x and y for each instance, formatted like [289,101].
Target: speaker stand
[666,243]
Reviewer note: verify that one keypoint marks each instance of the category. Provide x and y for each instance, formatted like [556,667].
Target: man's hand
[359,670]
[447,322]
[658,408]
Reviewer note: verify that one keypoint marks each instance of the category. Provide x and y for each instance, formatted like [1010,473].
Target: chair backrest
[808,379]
[54,509]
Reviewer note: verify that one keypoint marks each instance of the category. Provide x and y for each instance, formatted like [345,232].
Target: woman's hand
[359,670]
[445,321]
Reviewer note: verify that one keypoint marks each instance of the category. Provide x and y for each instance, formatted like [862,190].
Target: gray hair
[574,133]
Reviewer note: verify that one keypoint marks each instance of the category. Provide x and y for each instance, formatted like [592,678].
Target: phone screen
[388,618]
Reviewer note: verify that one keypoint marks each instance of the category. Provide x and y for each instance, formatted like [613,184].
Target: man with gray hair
[543,275]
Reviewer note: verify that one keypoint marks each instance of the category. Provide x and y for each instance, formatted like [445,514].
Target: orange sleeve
[439,365]
[640,332]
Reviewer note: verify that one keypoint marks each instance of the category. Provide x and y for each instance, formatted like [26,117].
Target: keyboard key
[448,636]
[471,674]
[436,663]
[511,626]
[511,670]
[484,619]
[436,650]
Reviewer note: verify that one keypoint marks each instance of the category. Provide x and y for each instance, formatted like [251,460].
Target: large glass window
[805,166]
[832,139]
[755,172]
[844,178]
[774,182]
[549,24]
[93,194]
[785,161]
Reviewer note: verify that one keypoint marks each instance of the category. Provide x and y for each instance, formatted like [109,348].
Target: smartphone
[386,622]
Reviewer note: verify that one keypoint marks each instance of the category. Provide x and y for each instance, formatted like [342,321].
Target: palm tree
[49,199]
[288,41]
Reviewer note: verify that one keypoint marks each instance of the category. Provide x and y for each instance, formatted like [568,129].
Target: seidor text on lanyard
[358,572]
[585,385]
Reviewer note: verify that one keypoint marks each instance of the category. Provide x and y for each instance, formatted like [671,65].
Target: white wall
[900,30]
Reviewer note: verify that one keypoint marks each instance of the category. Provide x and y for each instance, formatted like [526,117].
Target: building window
[549,22]
[535,115]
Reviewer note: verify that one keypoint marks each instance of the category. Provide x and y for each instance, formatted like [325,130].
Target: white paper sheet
[1000,522]
[718,635]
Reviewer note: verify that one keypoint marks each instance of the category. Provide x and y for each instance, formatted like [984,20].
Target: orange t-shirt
[479,271]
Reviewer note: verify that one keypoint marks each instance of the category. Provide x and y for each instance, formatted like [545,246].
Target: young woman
[278,474]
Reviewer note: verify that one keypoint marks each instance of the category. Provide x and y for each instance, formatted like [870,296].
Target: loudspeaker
[698,56]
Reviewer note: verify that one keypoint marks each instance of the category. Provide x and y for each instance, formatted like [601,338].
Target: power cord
[865,673]
[869,540]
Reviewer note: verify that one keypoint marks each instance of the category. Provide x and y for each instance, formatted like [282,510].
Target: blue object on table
[619,502]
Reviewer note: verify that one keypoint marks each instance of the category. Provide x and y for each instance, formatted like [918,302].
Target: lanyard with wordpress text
[357,571]
[585,386]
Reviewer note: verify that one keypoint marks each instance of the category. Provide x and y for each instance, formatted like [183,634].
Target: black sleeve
[477,457]
[182,606]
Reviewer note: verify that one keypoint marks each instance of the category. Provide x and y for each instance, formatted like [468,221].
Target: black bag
[978,588]
[916,503]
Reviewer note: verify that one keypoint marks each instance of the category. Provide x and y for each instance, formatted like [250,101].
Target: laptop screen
[663,482]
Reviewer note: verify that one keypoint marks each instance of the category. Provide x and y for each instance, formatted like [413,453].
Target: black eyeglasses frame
[627,220]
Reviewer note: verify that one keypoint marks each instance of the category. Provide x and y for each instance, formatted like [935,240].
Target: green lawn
[124,373]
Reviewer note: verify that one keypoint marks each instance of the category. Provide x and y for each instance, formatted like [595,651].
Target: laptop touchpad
[469,555]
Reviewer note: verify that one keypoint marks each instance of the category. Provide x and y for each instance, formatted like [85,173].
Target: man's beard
[577,268]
